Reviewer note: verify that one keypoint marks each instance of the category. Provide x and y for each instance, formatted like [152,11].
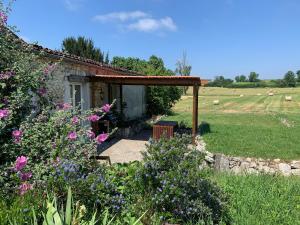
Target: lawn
[262,199]
[254,125]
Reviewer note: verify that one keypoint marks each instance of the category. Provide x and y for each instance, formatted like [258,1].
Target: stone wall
[240,165]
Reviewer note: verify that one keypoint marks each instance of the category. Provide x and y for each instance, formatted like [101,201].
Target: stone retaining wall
[239,165]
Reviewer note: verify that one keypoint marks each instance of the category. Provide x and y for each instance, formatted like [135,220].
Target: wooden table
[164,128]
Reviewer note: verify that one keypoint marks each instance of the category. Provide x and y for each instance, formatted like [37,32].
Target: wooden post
[109,93]
[93,97]
[121,99]
[195,112]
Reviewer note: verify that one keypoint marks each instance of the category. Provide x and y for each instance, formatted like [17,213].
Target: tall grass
[262,199]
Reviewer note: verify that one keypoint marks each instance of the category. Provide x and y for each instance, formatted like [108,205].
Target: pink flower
[25,176]
[17,134]
[93,118]
[3,18]
[6,75]
[24,187]
[42,91]
[20,163]
[64,106]
[4,113]
[90,134]
[49,69]
[106,108]
[101,138]
[72,136]
[75,120]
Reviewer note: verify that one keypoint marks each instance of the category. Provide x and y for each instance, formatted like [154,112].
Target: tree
[253,77]
[290,79]
[83,47]
[160,99]
[298,75]
[183,68]
[241,78]
[220,81]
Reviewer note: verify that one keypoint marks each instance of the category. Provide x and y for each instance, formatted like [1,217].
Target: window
[76,95]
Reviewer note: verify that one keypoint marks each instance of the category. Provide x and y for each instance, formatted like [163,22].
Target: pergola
[158,81]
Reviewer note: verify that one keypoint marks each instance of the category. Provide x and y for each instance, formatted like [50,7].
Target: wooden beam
[148,80]
[195,112]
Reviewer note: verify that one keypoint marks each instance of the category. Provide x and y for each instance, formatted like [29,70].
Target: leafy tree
[84,47]
[298,75]
[160,99]
[253,77]
[220,81]
[241,78]
[290,79]
[183,69]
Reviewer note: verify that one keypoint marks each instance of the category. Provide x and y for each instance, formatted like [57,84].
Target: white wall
[135,98]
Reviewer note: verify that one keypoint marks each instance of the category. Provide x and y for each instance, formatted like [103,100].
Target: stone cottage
[71,83]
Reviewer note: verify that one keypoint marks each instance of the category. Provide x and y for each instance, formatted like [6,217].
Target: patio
[125,150]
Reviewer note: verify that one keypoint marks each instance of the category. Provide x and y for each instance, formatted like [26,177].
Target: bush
[175,186]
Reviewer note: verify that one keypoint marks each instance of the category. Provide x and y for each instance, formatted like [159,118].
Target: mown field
[247,122]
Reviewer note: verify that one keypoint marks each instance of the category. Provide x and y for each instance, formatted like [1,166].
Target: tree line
[290,79]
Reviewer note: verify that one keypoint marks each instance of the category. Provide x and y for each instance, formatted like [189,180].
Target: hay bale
[288,98]
[216,102]
[241,95]
[258,94]
[271,94]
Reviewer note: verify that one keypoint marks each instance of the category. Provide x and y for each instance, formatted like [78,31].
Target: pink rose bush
[17,134]
[24,187]
[3,19]
[72,136]
[4,113]
[101,138]
[106,108]
[90,134]
[20,164]
[6,75]
[75,120]
[49,69]
[93,118]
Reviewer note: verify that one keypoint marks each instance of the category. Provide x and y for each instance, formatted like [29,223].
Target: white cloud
[138,21]
[73,5]
[150,25]
[120,16]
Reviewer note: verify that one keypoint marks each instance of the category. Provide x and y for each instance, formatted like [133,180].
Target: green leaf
[68,208]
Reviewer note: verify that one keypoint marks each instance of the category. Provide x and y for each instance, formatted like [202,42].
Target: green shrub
[175,186]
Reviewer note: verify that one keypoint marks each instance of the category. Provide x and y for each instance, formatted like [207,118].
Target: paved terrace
[127,149]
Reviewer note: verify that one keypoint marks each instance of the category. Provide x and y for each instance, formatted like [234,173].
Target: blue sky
[220,37]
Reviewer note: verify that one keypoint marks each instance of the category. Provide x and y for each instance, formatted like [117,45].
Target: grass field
[254,125]
[261,199]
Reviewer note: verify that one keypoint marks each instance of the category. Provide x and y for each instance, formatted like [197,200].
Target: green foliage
[159,99]
[55,216]
[84,47]
[220,81]
[253,77]
[22,86]
[290,79]
[241,78]
[175,186]
[298,75]
[262,199]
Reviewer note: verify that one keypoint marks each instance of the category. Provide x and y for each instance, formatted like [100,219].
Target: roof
[82,60]
[70,57]
[148,80]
